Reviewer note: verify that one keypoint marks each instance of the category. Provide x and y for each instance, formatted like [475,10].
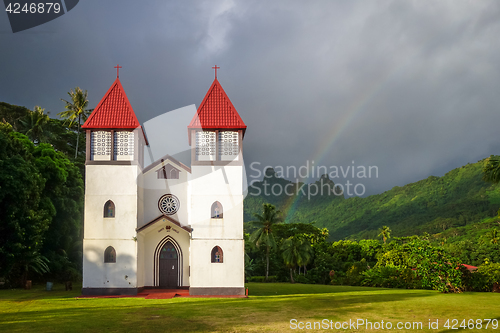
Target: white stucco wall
[155,188]
[229,273]
[213,183]
[116,183]
[140,261]
[224,184]
[230,226]
[98,274]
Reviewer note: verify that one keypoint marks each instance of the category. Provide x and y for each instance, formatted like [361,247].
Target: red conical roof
[113,111]
[216,111]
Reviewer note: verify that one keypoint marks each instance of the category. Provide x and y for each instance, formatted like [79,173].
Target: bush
[301,279]
[390,277]
[271,278]
[353,275]
[483,278]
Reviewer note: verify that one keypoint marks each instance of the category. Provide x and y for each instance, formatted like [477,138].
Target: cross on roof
[117,69]
[216,68]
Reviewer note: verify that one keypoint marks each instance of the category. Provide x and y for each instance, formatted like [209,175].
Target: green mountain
[432,205]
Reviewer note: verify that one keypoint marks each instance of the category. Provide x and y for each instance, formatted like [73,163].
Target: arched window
[109,209]
[216,210]
[110,254]
[217,255]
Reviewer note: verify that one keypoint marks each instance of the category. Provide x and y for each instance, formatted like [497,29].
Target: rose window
[168,204]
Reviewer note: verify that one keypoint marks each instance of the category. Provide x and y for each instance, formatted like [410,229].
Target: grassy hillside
[431,205]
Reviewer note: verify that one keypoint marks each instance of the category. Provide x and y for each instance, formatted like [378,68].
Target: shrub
[483,278]
[353,275]
[301,279]
[390,277]
[271,278]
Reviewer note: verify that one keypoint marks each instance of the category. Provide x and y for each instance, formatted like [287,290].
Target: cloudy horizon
[408,86]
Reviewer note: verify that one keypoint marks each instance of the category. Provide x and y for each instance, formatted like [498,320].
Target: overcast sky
[412,87]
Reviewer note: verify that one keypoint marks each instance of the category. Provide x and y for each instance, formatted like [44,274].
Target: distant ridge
[432,205]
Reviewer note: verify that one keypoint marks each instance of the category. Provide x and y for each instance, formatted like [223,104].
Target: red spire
[113,111]
[216,111]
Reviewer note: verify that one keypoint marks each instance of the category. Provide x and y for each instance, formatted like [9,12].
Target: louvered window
[124,146]
[205,146]
[228,145]
[100,146]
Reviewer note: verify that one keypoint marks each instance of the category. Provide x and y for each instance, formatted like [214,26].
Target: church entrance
[169,266]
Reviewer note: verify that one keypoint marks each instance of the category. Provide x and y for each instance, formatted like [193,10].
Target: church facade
[166,225]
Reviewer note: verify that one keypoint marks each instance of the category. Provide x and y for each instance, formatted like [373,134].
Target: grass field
[270,308]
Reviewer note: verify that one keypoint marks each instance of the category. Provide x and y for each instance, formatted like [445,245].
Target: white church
[166,225]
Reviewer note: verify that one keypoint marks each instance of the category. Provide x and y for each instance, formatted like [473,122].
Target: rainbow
[353,112]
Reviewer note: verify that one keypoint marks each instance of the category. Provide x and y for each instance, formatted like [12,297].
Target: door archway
[169,266]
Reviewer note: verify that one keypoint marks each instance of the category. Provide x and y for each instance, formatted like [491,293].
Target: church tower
[115,146]
[217,247]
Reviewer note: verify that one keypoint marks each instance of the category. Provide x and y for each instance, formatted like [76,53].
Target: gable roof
[164,218]
[164,161]
[113,111]
[216,111]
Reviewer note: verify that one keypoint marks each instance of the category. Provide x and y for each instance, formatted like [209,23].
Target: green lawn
[270,307]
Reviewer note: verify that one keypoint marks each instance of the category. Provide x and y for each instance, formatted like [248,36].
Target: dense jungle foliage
[41,197]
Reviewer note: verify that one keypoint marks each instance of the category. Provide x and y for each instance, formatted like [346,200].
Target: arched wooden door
[169,266]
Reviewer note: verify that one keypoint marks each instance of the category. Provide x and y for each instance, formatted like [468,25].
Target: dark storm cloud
[409,86]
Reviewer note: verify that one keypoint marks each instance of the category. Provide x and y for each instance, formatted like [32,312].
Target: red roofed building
[113,111]
[113,131]
[217,129]
[470,268]
[217,112]
[166,225]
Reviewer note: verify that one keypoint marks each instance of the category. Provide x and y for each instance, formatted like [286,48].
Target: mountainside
[431,205]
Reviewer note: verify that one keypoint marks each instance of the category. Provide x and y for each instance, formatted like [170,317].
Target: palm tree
[35,126]
[491,169]
[385,232]
[296,252]
[76,110]
[35,262]
[264,233]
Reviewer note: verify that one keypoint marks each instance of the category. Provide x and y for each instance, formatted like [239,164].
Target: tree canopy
[41,200]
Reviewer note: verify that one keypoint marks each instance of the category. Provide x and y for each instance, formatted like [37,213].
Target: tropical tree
[491,169]
[25,213]
[76,110]
[425,236]
[41,200]
[385,232]
[437,269]
[296,252]
[35,125]
[13,114]
[32,262]
[494,236]
[264,233]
